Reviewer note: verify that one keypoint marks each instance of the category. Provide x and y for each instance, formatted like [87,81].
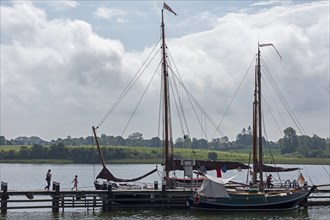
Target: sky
[64,64]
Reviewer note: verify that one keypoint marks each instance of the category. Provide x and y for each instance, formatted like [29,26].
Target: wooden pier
[109,199]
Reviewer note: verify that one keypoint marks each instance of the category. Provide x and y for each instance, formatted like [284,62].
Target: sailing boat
[169,164]
[213,195]
[105,173]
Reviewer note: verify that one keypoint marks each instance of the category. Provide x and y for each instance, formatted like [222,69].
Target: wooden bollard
[4,197]
[56,197]
[108,200]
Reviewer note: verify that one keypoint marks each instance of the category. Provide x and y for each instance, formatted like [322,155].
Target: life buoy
[197,199]
[287,184]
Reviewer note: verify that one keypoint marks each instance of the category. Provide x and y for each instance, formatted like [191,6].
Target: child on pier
[75,183]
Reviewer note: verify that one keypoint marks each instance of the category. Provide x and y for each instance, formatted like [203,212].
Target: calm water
[32,176]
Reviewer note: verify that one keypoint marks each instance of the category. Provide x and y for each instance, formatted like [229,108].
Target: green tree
[312,146]
[244,139]
[58,151]
[289,143]
[212,156]
[2,140]
[39,152]
[179,142]
[24,152]
[135,139]
[155,142]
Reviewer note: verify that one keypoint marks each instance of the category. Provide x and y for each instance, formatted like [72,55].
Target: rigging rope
[325,170]
[285,104]
[180,83]
[267,142]
[140,100]
[176,106]
[130,84]
[192,99]
[271,113]
[283,100]
[236,92]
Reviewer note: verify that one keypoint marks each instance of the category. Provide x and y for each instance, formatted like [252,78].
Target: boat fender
[294,184]
[287,184]
[197,199]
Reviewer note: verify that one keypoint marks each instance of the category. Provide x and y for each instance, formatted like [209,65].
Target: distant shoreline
[146,155]
[300,161]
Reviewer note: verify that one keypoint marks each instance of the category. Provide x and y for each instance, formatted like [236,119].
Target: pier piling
[108,200]
[4,197]
[56,197]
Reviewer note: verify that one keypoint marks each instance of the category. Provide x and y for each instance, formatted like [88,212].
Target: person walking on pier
[75,183]
[48,179]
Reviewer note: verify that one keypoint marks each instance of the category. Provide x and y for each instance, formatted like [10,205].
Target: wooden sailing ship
[213,194]
[169,163]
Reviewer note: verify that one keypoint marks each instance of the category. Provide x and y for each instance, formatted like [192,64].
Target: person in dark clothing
[48,179]
[269,181]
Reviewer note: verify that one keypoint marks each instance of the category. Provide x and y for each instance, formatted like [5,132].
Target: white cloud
[118,15]
[58,77]
[266,3]
[61,5]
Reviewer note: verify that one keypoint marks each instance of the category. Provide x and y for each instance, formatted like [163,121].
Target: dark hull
[115,186]
[100,186]
[251,202]
[184,182]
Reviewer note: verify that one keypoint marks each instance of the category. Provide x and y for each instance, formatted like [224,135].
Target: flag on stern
[301,179]
[168,8]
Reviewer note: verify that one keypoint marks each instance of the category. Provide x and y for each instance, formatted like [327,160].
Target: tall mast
[260,122]
[254,131]
[257,122]
[166,110]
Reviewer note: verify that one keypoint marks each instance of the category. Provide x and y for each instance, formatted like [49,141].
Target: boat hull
[251,202]
[100,186]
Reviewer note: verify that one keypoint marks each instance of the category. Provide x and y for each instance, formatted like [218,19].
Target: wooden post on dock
[4,197]
[107,202]
[56,197]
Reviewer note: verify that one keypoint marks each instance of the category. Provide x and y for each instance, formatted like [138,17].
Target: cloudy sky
[64,64]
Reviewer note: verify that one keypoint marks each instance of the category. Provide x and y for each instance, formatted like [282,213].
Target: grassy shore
[241,156]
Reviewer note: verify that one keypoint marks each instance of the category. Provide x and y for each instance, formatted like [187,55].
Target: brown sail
[208,165]
[271,169]
[106,174]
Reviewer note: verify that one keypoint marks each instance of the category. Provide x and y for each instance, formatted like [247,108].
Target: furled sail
[272,169]
[208,165]
[106,174]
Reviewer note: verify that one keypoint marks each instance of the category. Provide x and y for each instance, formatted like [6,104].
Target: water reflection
[319,213]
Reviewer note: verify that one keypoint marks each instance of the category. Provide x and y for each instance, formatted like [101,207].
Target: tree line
[78,155]
[290,143]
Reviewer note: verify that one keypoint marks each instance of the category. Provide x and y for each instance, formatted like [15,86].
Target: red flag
[219,172]
[168,8]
